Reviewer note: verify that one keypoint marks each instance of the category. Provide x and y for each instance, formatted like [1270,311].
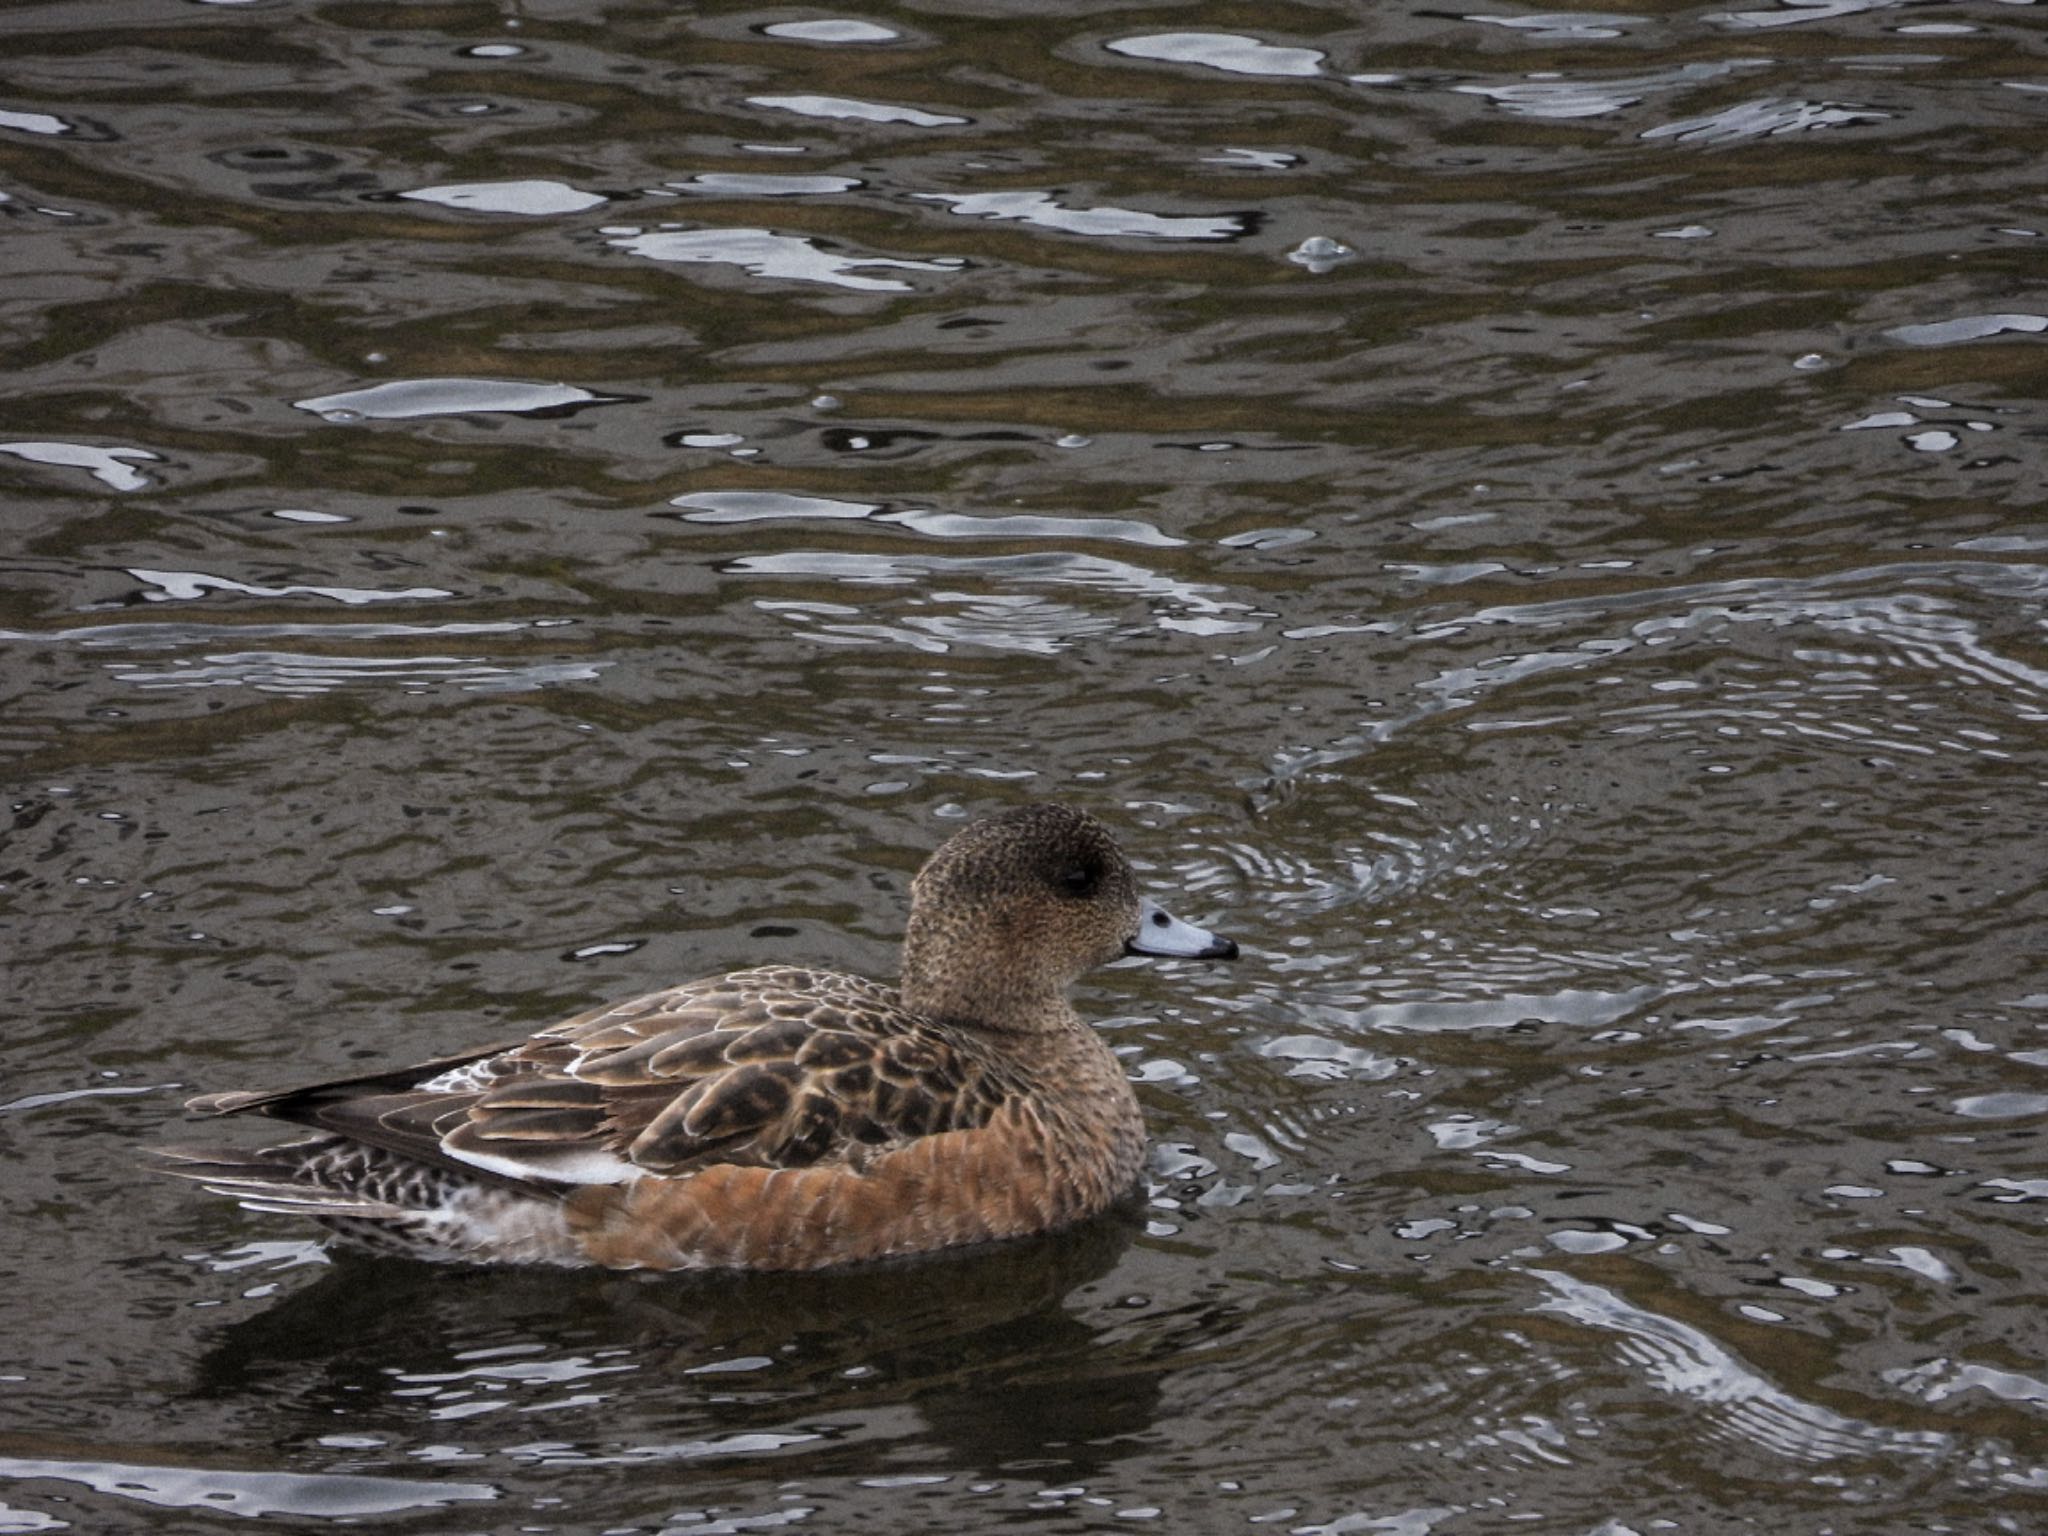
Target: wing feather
[772,1068]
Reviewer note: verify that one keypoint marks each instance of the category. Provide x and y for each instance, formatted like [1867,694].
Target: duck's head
[1010,910]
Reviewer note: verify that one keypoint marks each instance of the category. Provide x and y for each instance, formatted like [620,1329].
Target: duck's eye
[1078,880]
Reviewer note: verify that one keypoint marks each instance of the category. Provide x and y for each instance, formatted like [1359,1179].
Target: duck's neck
[1009,997]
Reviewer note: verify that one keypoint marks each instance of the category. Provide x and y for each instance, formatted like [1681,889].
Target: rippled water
[1532,521]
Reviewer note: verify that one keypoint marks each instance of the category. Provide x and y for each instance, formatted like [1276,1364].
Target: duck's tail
[288,1180]
[380,1199]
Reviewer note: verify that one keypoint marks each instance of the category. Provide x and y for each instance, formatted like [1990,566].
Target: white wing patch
[584,1165]
[470,1077]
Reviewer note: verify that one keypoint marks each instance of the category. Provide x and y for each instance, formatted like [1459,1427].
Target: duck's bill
[1161,933]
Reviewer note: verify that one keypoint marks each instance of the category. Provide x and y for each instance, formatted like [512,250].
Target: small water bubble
[1694,1224]
[599,951]
[836,30]
[1806,1287]
[1809,362]
[1319,253]
[1073,440]
[826,403]
[1415,1231]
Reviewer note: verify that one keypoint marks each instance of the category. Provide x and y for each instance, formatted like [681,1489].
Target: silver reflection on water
[763,253]
[1764,118]
[1678,1358]
[851,109]
[222,1490]
[171,636]
[189,586]
[1054,567]
[1791,13]
[535,199]
[833,30]
[1231,52]
[407,399]
[112,467]
[1943,333]
[1564,26]
[34,122]
[301,674]
[763,184]
[1047,212]
[1031,525]
[1590,95]
[760,506]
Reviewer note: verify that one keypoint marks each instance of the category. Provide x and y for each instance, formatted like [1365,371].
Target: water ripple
[1058,568]
[314,1495]
[832,30]
[1564,26]
[171,636]
[1765,118]
[535,199]
[763,184]
[1677,1358]
[851,109]
[190,586]
[110,466]
[1948,333]
[1231,52]
[1046,211]
[405,399]
[1797,12]
[1590,96]
[763,253]
[304,675]
[998,622]
[769,506]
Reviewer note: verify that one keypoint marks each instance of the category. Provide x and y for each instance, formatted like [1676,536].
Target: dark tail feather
[265,1181]
[227,1103]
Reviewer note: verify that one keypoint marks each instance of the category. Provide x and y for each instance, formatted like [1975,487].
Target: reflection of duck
[988,1346]
[768,1119]
[370,1319]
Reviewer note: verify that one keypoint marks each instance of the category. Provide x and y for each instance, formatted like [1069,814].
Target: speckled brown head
[1011,910]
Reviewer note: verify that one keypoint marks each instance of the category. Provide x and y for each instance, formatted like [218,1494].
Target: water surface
[1530,520]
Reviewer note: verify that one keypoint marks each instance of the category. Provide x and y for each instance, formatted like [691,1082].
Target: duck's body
[777,1118]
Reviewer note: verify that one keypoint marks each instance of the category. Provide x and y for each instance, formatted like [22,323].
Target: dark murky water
[1532,521]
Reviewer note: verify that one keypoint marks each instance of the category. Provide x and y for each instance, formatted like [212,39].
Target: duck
[777,1118]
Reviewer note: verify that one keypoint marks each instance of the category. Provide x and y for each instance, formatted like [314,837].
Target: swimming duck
[770,1119]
